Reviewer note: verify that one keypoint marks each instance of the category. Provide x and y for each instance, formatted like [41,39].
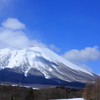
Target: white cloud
[53,47]
[13,23]
[11,35]
[79,57]
[88,53]
[14,38]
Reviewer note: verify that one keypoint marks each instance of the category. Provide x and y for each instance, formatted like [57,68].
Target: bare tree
[96,89]
[92,90]
[87,92]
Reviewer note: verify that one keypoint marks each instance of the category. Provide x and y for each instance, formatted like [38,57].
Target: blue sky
[69,27]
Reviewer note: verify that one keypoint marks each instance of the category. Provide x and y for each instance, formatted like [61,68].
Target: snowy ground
[69,99]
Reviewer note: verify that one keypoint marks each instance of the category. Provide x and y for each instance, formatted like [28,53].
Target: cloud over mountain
[12,35]
[54,48]
[13,24]
[86,54]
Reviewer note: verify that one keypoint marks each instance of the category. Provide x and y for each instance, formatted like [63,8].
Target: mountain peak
[44,61]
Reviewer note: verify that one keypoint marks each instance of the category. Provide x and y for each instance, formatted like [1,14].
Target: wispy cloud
[79,56]
[4,3]
[12,35]
[84,66]
[54,48]
[99,74]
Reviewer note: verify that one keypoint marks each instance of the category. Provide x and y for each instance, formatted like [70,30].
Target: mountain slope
[42,63]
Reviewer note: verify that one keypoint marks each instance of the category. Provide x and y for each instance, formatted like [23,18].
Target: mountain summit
[39,65]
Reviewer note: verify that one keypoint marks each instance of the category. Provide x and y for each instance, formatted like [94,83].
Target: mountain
[40,66]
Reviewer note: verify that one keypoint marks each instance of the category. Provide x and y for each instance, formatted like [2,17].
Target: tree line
[9,92]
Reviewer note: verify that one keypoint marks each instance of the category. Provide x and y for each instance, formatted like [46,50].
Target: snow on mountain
[42,61]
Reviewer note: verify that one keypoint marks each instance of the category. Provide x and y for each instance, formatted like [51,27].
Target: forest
[8,92]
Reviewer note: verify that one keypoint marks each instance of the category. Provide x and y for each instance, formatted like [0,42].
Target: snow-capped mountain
[39,65]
